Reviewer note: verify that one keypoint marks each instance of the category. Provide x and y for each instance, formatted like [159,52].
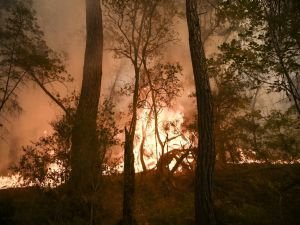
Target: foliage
[243,132]
[139,29]
[25,57]
[270,138]
[166,85]
[265,43]
[231,99]
[47,161]
[250,137]
[282,135]
[260,50]
[107,131]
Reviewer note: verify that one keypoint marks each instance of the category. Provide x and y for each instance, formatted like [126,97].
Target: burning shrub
[47,161]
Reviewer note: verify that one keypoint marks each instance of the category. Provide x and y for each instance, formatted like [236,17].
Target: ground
[243,195]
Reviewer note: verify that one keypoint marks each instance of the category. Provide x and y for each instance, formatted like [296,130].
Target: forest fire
[170,132]
[10,181]
[113,111]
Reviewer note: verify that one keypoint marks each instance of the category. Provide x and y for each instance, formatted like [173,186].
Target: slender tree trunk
[254,131]
[204,209]
[144,130]
[85,155]
[129,181]
[142,154]
[129,172]
[155,113]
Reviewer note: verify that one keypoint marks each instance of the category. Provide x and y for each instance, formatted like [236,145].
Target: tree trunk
[129,181]
[142,150]
[129,172]
[142,154]
[155,113]
[204,209]
[84,151]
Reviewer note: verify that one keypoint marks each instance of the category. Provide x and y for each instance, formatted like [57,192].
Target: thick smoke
[63,23]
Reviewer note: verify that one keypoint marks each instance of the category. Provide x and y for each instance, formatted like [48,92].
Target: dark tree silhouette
[140,31]
[25,57]
[272,57]
[85,156]
[204,209]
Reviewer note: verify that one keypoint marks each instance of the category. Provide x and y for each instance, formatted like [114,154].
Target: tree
[85,156]
[47,161]
[164,86]
[25,57]
[159,88]
[139,29]
[231,100]
[250,137]
[281,136]
[266,47]
[205,159]
[243,132]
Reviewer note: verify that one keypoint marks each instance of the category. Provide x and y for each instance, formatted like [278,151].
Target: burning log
[178,155]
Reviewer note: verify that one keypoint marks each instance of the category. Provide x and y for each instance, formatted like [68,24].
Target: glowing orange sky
[64,25]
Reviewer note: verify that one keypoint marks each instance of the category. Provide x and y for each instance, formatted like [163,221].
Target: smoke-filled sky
[64,25]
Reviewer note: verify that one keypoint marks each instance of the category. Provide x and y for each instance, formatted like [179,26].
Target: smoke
[180,52]
[63,23]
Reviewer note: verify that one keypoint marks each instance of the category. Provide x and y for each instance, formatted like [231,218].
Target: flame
[10,181]
[171,133]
